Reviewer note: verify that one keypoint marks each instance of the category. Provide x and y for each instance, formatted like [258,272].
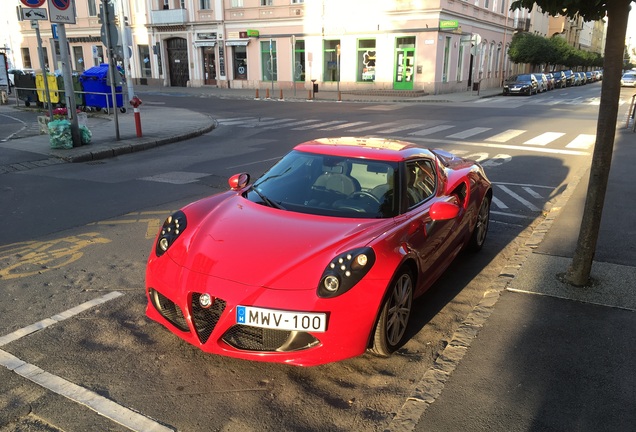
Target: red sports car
[320,258]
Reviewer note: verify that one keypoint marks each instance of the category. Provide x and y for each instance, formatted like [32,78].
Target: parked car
[570,79]
[542,82]
[628,79]
[599,75]
[551,81]
[591,77]
[523,84]
[582,78]
[560,80]
[320,258]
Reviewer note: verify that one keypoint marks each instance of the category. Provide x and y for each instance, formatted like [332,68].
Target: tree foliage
[538,50]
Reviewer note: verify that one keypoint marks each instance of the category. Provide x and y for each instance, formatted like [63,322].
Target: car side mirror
[443,211]
[239,181]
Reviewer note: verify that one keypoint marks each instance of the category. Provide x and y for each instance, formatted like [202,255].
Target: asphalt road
[82,233]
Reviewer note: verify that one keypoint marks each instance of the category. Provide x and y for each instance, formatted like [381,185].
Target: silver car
[628,79]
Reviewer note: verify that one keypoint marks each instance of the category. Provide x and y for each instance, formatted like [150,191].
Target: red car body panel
[249,254]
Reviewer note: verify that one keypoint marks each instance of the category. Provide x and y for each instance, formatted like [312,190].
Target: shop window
[299,61]
[447,44]
[330,55]
[98,55]
[26,58]
[144,61]
[78,59]
[158,52]
[366,60]
[268,61]
[240,62]
[460,62]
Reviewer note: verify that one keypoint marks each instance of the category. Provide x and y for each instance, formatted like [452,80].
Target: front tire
[394,316]
[478,238]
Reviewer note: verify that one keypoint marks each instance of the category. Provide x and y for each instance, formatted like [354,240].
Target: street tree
[616,12]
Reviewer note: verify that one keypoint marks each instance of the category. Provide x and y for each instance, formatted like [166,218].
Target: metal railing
[630,114]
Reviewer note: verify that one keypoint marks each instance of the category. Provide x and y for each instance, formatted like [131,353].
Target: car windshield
[629,76]
[329,185]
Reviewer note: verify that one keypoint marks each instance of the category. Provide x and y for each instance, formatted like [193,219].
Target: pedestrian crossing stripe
[422,129]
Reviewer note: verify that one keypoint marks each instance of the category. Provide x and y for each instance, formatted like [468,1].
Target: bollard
[256,97]
[267,93]
[281,95]
[308,95]
[339,97]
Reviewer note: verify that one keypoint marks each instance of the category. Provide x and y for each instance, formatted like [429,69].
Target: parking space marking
[101,405]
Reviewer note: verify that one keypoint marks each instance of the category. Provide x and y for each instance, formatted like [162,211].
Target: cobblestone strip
[434,379]
[25,166]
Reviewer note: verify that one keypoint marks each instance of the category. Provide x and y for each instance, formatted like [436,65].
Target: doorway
[404,63]
[178,62]
[209,66]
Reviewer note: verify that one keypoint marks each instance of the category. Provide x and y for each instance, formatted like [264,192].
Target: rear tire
[478,237]
[394,316]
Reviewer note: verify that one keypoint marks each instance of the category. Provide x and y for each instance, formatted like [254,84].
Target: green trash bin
[77,90]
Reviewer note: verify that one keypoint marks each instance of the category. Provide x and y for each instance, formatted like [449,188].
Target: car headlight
[345,271]
[171,229]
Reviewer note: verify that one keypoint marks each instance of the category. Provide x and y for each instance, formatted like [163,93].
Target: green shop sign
[448,24]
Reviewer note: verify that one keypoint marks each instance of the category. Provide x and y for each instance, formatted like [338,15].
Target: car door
[429,240]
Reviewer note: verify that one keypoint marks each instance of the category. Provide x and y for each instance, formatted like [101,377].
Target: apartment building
[435,46]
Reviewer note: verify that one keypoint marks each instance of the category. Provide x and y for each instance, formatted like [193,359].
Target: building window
[45,54]
[297,1]
[460,62]
[268,61]
[236,3]
[299,61]
[266,2]
[166,4]
[92,9]
[330,55]
[98,55]
[240,62]
[204,4]
[366,60]
[144,61]
[447,45]
[78,59]
[26,58]
[486,4]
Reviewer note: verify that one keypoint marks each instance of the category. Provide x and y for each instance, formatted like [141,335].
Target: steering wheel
[366,195]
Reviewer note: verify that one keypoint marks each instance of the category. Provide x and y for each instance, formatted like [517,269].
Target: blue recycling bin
[95,80]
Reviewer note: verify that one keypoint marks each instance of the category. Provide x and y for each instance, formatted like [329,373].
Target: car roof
[370,148]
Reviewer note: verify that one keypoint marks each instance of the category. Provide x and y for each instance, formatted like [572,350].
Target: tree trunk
[578,273]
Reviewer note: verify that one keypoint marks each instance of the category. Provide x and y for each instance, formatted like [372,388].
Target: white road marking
[101,405]
[544,138]
[346,125]
[497,202]
[319,125]
[506,135]
[519,198]
[176,177]
[502,146]
[582,141]
[374,126]
[469,132]
[532,192]
[265,122]
[296,123]
[403,127]
[432,130]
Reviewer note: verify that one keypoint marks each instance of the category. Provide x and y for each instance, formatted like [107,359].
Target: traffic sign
[62,11]
[34,14]
[33,3]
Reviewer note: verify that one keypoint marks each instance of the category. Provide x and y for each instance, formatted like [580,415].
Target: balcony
[168,16]
[522,24]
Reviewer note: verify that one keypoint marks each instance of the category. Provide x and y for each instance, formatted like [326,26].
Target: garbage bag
[85,134]
[60,134]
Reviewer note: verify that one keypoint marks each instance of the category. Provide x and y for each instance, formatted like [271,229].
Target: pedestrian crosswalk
[414,128]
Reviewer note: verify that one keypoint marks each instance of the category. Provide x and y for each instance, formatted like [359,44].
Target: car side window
[421,181]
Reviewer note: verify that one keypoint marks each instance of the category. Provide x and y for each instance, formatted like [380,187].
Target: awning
[204,43]
[237,42]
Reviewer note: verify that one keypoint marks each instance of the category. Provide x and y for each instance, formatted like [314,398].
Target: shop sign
[253,33]
[448,24]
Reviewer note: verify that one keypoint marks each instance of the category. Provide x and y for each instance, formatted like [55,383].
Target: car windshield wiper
[267,200]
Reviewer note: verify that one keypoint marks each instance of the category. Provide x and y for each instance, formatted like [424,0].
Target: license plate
[281,320]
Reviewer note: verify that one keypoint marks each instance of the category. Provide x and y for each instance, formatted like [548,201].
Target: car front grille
[205,320]
[255,339]
[168,309]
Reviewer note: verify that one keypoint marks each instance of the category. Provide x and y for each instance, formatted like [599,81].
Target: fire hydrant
[135,102]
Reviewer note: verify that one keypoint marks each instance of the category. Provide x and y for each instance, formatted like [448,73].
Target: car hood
[255,245]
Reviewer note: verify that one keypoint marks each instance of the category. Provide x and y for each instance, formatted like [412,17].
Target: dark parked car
[570,79]
[591,77]
[523,84]
[559,79]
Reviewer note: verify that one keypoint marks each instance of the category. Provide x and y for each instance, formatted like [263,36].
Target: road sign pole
[111,64]
[69,91]
[47,95]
